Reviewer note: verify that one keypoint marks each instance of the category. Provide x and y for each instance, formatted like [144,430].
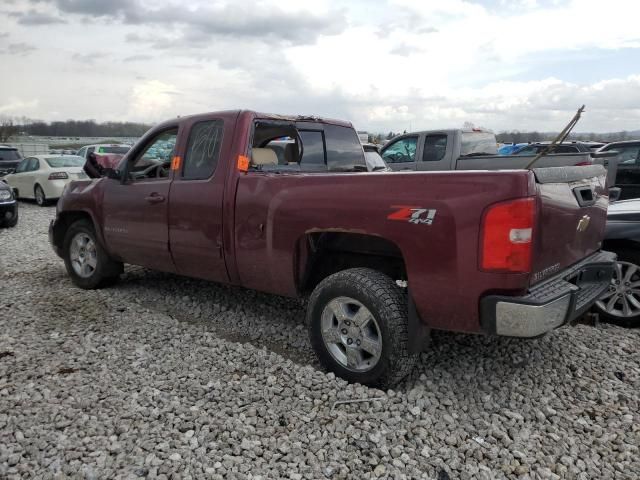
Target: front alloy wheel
[83,255]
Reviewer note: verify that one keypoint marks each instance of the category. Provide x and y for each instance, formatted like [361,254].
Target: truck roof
[266,116]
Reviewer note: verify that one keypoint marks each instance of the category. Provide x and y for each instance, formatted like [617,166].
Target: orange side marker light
[175,163]
[243,163]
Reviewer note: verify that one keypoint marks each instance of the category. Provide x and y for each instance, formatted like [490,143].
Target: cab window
[203,150]
[435,146]
[155,159]
[401,151]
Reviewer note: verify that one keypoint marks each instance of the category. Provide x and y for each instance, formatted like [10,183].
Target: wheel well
[64,221]
[325,253]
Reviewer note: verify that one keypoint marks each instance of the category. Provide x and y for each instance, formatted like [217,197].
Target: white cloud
[151,99]
[383,65]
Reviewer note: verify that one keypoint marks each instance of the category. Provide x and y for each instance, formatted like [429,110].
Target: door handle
[154,198]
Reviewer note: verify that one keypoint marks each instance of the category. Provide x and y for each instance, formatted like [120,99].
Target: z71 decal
[416,215]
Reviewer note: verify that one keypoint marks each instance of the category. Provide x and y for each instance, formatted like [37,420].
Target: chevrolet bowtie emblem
[583,224]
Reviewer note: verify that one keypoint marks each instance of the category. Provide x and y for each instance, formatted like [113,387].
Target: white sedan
[43,177]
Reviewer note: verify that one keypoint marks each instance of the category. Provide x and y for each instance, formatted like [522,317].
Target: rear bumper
[549,304]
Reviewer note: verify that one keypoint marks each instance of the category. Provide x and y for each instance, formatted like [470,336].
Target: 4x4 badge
[411,214]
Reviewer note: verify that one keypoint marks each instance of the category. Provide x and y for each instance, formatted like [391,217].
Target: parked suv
[9,159]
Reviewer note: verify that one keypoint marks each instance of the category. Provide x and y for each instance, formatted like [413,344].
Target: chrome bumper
[549,304]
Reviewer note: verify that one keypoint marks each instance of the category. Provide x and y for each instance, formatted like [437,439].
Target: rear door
[572,216]
[436,152]
[402,153]
[195,207]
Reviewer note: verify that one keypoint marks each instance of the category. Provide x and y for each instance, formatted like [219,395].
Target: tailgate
[572,217]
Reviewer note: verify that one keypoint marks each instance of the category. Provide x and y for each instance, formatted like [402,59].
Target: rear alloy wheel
[41,198]
[621,303]
[358,327]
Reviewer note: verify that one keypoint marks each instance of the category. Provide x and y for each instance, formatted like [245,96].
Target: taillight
[582,164]
[507,231]
[58,176]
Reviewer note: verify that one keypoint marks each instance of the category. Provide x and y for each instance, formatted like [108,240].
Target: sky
[384,65]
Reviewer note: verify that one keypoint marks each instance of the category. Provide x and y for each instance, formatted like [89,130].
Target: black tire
[107,270]
[387,304]
[630,256]
[41,198]
[13,222]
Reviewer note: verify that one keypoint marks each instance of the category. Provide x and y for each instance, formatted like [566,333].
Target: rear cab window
[478,143]
[305,146]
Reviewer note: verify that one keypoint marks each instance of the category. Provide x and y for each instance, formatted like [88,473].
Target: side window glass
[34,165]
[402,151]
[435,146]
[22,166]
[203,150]
[628,155]
[344,150]
[82,152]
[313,148]
[155,160]
[90,150]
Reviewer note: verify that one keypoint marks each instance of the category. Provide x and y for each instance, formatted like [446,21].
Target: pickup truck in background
[383,257]
[465,149]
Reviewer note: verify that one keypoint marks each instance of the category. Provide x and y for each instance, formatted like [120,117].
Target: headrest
[263,156]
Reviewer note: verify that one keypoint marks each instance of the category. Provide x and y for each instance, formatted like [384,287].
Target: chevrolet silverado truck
[383,258]
[468,149]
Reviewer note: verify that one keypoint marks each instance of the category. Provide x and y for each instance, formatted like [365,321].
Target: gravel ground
[166,377]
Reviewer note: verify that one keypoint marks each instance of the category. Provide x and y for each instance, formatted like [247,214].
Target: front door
[401,154]
[195,210]
[136,210]
[18,179]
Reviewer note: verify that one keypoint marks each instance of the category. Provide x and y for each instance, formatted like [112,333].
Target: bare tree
[7,129]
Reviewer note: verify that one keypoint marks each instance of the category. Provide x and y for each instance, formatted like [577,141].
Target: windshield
[121,150]
[478,143]
[68,161]
[374,161]
[9,154]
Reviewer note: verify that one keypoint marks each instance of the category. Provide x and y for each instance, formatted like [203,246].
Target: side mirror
[614,194]
[113,173]
[607,154]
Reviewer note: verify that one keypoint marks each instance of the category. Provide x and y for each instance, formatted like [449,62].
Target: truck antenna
[559,139]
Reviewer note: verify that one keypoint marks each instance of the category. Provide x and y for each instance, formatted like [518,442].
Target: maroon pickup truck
[383,257]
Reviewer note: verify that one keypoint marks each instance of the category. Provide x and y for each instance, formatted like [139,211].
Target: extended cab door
[195,208]
[436,152]
[136,210]
[401,154]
